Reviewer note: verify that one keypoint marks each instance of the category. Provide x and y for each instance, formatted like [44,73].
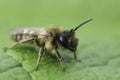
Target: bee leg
[75,57]
[18,43]
[37,42]
[41,51]
[60,59]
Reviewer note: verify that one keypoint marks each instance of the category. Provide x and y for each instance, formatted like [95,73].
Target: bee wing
[30,31]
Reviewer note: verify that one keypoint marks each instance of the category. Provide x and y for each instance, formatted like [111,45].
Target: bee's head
[68,40]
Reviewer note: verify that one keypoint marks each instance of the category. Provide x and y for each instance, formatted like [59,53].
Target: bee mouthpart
[72,49]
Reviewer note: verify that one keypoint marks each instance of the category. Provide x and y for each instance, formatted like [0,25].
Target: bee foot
[78,60]
[63,69]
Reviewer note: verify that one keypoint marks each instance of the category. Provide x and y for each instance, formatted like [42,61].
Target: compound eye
[63,38]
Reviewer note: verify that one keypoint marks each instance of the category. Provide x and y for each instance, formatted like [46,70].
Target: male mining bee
[50,39]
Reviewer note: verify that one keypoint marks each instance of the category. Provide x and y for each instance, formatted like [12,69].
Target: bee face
[68,41]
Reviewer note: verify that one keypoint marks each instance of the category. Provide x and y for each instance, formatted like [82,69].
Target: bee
[48,39]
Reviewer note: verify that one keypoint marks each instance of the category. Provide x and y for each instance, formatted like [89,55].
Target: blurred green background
[99,39]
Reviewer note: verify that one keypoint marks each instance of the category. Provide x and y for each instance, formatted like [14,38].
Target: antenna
[73,30]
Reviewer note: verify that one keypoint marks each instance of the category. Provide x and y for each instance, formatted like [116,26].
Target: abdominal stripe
[18,37]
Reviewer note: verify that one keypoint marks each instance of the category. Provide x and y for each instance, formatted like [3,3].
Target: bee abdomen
[19,37]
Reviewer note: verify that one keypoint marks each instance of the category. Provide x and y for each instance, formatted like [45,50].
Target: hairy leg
[41,52]
[60,59]
[18,43]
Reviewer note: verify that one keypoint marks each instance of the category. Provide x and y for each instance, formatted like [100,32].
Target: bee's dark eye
[63,38]
[65,41]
